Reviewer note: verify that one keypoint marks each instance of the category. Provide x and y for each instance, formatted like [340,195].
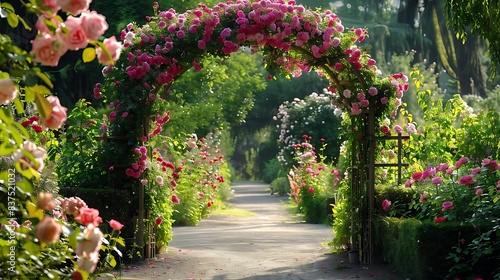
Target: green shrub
[281,185]
[271,170]
[421,250]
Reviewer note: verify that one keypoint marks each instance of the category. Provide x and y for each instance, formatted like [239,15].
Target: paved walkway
[268,245]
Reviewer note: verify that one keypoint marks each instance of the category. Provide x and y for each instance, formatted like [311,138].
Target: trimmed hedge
[420,250]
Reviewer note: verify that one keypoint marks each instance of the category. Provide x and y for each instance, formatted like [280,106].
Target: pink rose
[93,24]
[8,91]
[158,221]
[47,50]
[115,224]
[416,176]
[114,47]
[88,216]
[423,198]
[175,199]
[386,205]
[479,192]
[385,130]
[48,230]
[437,180]
[58,115]
[461,162]
[74,7]
[466,180]
[75,38]
[398,129]
[447,205]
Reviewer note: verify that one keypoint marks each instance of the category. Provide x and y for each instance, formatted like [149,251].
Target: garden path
[269,244]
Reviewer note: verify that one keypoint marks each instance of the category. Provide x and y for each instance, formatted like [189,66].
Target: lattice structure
[363,184]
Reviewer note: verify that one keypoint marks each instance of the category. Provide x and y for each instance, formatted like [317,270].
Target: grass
[227,210]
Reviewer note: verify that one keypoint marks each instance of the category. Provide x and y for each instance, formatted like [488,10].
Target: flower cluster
[386,95]
[56,37]
[306,116]
[454,192]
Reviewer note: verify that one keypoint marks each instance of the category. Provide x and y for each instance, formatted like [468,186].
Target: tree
[481,17]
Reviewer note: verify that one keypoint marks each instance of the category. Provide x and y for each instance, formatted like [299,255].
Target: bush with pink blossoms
[311,182]
[466,192]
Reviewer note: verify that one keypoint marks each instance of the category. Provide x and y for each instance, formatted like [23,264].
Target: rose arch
[292,39]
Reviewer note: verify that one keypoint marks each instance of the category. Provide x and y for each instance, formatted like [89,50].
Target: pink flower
[372,91]
[310,190]
[159,180]
[75,38]
[74,7]
[175,199]
[93,24]
[115,225]
[158,221]
[88,216]
[8,91]
[437,180]
[466,180]
[384,100]
[114,47]
[112,116]
[410,128]
[47,50]
[461,162]
[447,205]
[439,219]
[398,129]
[408,183]
[347,93]
[423,198]
[386,205]
[442,167]
[58,115]
[48,230]
[479,192]
[416,176]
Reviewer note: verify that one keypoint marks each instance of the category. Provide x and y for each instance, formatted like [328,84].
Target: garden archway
[292,38]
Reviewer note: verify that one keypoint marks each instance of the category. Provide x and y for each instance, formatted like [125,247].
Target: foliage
[271,170]
[204,180]
[476,16]
[310,183]
[280,185]
[43,237]
[80,142]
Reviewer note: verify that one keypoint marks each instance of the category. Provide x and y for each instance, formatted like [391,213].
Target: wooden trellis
[363,184]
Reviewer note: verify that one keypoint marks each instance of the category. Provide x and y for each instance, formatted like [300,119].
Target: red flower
[115,224]
[439,219]
[158,221]
[386,205]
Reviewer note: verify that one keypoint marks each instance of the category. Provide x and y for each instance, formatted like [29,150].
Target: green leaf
[43,105]
[44,78]
[32,247]
[12,20]
[112,261]
[88,54]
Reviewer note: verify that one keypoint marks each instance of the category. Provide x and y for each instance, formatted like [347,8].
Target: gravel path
[268,245]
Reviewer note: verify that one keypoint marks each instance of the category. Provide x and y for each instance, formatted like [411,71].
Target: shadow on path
[269,245]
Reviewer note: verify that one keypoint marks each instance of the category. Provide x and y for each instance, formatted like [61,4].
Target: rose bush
[41,237]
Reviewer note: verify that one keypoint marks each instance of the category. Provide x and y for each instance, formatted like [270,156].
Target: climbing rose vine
[292,38]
